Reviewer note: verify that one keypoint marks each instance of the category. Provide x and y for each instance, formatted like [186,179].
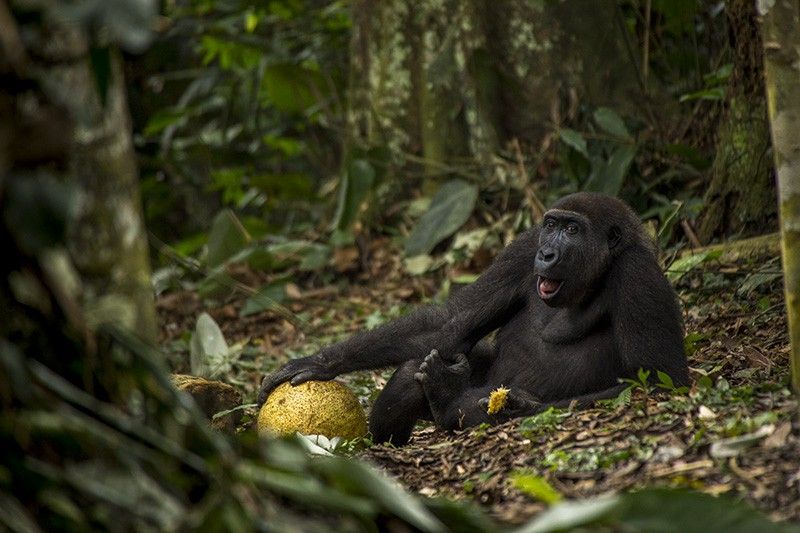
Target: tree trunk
[107,240]
[782,69]
[741,195]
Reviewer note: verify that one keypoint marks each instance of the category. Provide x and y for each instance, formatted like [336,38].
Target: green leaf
[714,93]
[418,264]
[162,119]
[304,252]
[268,297]
[575,140]
[250,21]
[755,280]
[308,255]
[665,381]
[256,257]
[353,190]
[217,283]
[536,487]
[288,146]
[227,236]
[611,123]
[610,176]
[704,382]
[450,208]
[680,267]
[208,349]
[190,244]
[315,257]
[691,341]
[291,88]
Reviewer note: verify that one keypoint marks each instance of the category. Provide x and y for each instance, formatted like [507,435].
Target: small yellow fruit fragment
[313,408]
[497,400]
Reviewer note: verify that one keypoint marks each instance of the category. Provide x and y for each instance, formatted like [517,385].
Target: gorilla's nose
[545,258]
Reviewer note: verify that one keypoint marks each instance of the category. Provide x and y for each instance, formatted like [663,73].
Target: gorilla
[575,303]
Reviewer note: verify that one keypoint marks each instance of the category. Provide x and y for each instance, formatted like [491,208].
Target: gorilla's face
[573,254]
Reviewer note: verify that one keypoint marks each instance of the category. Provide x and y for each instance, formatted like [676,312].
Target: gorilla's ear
[614,236]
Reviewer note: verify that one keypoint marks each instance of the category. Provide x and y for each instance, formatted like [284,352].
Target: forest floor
[735,432]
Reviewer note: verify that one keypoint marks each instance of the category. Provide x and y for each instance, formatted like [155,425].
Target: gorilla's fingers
[431,357]
[420,377]
[269,383]
[307,375]
[296,371]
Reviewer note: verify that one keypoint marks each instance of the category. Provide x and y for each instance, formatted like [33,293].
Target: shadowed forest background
[214,187]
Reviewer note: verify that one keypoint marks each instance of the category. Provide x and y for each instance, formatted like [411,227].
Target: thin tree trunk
[740,197]
[781,37]
[106,238]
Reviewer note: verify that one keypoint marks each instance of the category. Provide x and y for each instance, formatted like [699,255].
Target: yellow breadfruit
[497,400]
[313,408]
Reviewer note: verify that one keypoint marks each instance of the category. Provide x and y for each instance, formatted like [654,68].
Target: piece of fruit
[497,400]
[313,408]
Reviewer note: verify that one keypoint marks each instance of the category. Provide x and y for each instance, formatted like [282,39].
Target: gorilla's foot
[443,381]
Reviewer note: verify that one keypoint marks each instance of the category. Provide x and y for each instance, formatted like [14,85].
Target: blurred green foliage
[248,106]
[243,105]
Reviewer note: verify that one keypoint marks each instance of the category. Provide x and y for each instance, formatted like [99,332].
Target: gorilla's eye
[550,223]
[572,228]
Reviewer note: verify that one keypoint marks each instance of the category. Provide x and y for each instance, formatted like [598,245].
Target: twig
[681,468]
[690,234]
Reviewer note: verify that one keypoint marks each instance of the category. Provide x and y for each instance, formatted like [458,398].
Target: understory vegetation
[301,170]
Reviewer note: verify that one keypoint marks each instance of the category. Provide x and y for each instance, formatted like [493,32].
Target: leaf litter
[736,432]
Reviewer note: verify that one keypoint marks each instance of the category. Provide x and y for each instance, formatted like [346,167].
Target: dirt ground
[736,432]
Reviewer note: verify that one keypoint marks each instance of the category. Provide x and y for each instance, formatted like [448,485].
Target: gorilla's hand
[296,371]
[518,403]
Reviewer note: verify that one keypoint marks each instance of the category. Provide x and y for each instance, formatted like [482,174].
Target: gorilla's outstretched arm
[468,315]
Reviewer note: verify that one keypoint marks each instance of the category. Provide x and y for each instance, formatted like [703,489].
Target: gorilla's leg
[398,407]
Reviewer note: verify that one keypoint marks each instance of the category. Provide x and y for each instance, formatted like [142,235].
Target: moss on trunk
[741,195]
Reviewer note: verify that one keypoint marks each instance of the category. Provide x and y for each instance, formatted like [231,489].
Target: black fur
[613,313]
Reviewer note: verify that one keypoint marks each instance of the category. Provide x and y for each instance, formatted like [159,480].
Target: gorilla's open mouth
[548,287]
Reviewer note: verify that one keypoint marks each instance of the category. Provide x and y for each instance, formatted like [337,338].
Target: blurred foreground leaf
[655,510]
